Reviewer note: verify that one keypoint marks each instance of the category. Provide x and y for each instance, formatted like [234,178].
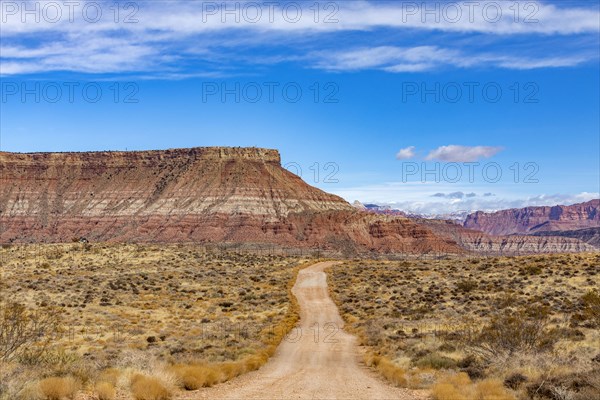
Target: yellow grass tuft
[492,389]
[231,370]
[105,391]
[447,391]
[459,380]
[192,377]
[58,388]
[31,391]
[149,388]
[392,373]
[460,387]
[110,375]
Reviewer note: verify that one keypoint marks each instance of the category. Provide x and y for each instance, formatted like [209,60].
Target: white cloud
[552,62]
[388,58]
[169,34]
[406,153]
[425,58]
[454,153]
[422,198]
[183,17]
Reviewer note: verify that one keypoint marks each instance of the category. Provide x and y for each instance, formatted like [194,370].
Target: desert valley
[299,200]
[216,273]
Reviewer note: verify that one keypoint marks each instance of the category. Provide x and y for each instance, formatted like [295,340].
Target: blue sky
[369,94]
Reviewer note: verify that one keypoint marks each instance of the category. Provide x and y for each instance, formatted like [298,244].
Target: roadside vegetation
[482,328]
[144,322]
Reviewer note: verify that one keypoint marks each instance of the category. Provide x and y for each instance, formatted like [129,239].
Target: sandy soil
[318,360]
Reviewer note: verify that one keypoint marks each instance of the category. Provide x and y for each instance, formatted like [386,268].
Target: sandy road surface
[312,363]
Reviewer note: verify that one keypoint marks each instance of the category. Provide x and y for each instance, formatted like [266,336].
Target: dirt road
[317,361]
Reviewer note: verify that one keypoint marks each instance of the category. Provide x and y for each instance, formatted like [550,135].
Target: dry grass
[460,387]
[149,388]
[487,317]
[194,377]
[388,369]
[151,307]
[58,388]
[105,391]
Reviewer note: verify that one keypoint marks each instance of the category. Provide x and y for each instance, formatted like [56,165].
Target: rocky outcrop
[536,219]
[166,183]
[588,235]
[479,242]
[212,195]
[240,195]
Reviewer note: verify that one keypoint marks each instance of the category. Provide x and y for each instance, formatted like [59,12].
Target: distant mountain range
[588,235]
[531,220]
[579,221]
[458,216]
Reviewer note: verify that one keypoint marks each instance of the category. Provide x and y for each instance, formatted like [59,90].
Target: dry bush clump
[388,369]
[58,388]
[25,333]
[590,304]
[499,318]
[194,377]
[149,388]
[105,391]
[460,387]
[509,332]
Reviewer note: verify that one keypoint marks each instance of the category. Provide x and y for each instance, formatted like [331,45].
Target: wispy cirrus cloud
[182,17]
[425,58]
[455,195]
[179,38]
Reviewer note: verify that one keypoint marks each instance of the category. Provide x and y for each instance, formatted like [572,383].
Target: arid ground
[318,359]
[158,322]
[130,309]
[528,324]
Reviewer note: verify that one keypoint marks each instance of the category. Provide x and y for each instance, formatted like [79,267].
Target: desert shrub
[591,307]
[531,270]
[25,333]
[510,332]
[515,380]
[583,385]
[58,388]
[472,366]
[55,254]
[105,391]
[149,388]
[435,361]
[466,285]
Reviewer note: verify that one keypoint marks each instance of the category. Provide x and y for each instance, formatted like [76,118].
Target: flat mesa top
[208,153]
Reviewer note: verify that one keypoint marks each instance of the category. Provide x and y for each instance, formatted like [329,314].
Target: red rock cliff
[200,194]
[537,219]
